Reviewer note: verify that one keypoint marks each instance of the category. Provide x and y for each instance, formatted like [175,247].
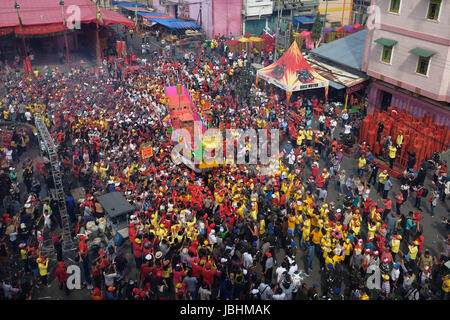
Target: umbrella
[305,33]
[348,28]
[339,29]
[256,39]
[327,30]
[357,26]
[447,264]
[244,39]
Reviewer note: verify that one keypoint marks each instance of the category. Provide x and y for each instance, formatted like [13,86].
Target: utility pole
[284,40]
[325,21]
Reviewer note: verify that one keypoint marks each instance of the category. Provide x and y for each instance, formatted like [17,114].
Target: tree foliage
[316,28]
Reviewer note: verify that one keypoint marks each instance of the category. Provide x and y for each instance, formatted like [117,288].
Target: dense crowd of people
[228,233]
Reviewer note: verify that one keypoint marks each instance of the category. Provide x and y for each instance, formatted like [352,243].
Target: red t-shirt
[196,270]
[208,276]
[137,250]
[61,274]
[388,204]
[145,271]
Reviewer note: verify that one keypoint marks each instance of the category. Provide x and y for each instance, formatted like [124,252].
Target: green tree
[316,31]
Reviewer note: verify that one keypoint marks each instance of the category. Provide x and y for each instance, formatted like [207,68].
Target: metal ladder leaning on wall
[46,144]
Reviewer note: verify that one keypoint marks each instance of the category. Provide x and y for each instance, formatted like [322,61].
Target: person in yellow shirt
[43,265]
[347,247]
[371,229]
[392,152]
[355,226]
[445,287]
[306,229]
[262,227]
[314,218]
[301,136]
[309,137]
[361,165]
[413,249]
[316,236]
[103,170]
[395,245]
[291,223]
[399,141]
[381,180]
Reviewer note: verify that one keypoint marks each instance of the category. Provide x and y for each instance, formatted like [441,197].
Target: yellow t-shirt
[316,236]
[446,284]
[371,231]
[395,246]
[382,177]
[399,140]
[291,222]
[362,162]
[413,252]
[392,151]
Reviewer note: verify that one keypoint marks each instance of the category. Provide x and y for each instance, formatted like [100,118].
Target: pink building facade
[404,40]
[219,17]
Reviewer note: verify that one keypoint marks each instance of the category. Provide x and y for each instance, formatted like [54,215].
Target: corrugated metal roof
[347,51]
[335,74]
[171,23]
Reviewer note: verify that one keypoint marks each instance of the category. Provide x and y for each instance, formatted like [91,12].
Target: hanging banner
[46,29]
[355,88]
[5,31]
[146,150]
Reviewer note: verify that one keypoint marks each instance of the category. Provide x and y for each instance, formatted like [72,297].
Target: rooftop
[347,51]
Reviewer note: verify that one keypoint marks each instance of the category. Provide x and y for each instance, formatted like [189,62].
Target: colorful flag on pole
[99,14]
[16,5]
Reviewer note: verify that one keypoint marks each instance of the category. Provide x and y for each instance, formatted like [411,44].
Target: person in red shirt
[196,268]
[61,276]
[96,295]
[208,274]
[82,247]
[132,234]
[315,171]
[137,252]
[399,201]
[366,207]
[419,193]
[387,207]
[146,269]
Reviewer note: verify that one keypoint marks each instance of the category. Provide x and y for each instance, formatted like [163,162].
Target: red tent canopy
[49,13]
[292,72]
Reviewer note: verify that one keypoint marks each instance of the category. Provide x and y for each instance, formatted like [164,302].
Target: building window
[387,54]
[434,7]
[395,6]
[422,65]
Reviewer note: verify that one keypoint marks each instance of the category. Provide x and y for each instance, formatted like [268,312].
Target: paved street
[431,227]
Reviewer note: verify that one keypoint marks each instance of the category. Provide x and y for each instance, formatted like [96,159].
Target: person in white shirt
[212,238]
[247,260]
[333,124]
[280,270]
[347,129]
[28,116]
[8,290]
[265,291]
[48,220]
[279,295]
